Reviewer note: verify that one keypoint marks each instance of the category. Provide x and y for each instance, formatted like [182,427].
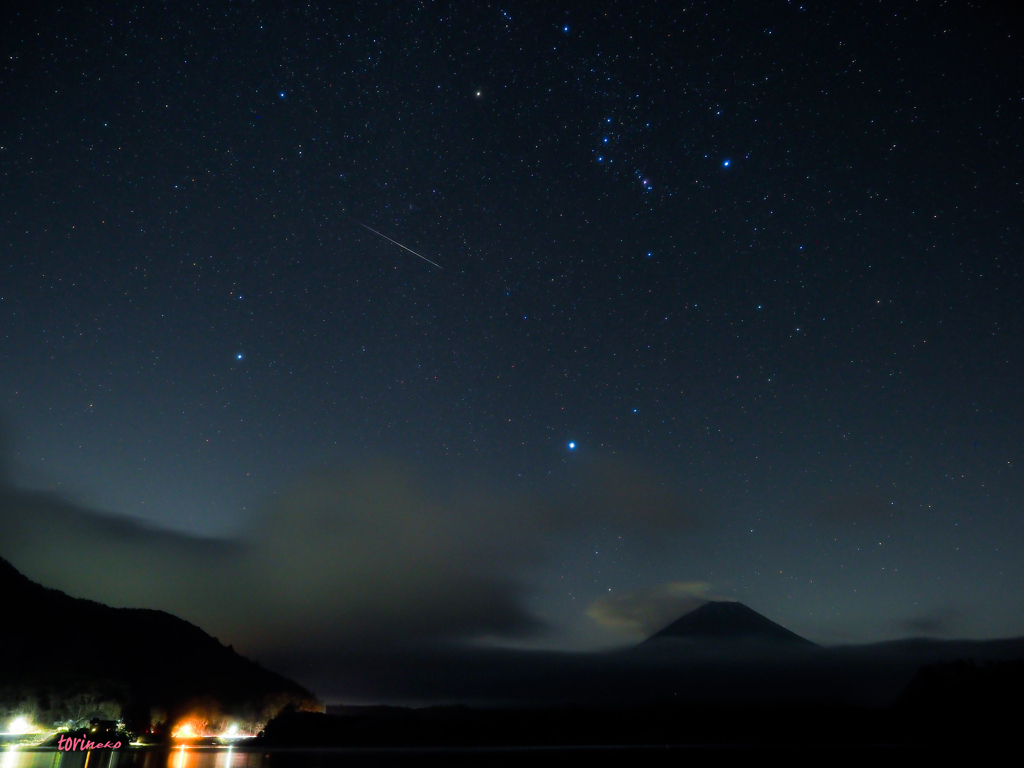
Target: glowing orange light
[187,729]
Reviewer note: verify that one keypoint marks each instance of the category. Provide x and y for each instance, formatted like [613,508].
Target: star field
[771,257]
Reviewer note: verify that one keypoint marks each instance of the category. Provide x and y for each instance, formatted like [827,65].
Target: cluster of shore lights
[195,729]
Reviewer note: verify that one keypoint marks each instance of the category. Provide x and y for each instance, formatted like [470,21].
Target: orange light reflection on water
[186,756]
[180,756]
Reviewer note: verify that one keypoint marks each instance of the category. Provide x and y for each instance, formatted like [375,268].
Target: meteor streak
[410,250]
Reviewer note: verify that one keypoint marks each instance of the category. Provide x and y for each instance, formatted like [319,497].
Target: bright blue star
[726,163]
[565,28]
[600,159]
[239,356]
[281,94]
[572,446]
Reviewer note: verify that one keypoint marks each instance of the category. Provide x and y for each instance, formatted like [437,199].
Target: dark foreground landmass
[63,657]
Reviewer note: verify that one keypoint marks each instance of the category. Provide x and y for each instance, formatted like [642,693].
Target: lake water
[227,757]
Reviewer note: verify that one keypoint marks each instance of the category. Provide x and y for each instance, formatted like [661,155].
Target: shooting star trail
[410,250]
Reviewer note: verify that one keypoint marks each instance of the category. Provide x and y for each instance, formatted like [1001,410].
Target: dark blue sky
[762,266]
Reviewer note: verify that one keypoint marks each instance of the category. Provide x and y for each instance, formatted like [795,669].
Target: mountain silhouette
[719,620]
[67,655]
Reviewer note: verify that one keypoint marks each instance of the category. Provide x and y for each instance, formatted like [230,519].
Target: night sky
[726,304]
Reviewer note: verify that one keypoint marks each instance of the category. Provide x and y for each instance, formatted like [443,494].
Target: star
[572,446]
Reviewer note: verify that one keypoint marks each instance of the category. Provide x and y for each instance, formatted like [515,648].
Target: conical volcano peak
[721,620]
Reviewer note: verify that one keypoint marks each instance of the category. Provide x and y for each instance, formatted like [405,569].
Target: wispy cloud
[643,612]
[368,555]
